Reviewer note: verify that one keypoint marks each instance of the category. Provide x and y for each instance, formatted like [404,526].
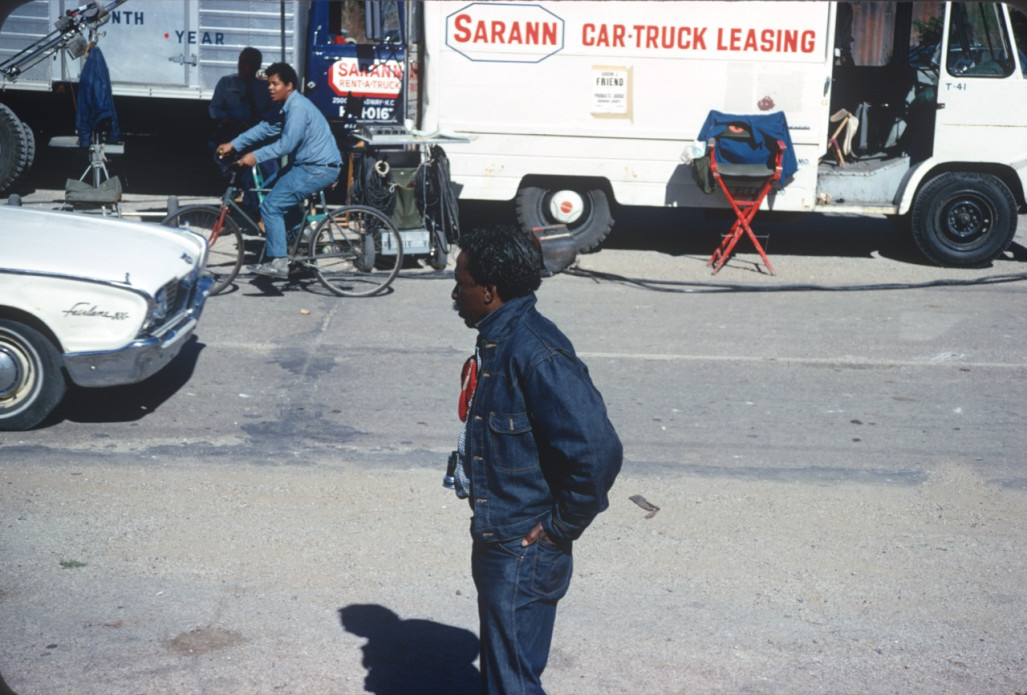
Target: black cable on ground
[685,287]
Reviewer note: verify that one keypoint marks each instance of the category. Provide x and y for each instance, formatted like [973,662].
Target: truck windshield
[356,21]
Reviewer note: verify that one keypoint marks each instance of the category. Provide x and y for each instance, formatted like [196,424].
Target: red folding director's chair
[747,156]
[745,186]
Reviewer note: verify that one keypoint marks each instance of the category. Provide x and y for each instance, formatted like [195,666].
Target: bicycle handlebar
[229,163]
[227,157]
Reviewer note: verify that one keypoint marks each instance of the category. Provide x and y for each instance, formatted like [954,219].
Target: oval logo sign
[504,32]
[382,79]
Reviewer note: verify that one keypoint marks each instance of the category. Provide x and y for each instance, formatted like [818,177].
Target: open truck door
[967,215]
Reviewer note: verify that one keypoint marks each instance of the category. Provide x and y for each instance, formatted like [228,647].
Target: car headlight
[159,310]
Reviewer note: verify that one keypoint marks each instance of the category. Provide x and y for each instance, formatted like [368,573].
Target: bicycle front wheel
[356,251]
[224,240]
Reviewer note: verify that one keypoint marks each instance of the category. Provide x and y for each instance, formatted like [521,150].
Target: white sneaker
[274,268]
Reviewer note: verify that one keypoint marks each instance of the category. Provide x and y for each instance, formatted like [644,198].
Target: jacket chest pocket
[511,442]
[504,423]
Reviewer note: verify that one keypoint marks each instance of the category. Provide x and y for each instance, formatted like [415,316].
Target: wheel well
[1004,173]
[28,319]
[577,183]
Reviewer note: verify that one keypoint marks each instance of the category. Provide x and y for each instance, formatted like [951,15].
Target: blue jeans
[518,589]
[291,185]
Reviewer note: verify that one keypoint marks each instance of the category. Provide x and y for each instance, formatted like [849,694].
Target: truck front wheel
[586,213]
[964,219]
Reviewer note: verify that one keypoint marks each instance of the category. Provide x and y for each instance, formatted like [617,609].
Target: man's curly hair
[285,73]
[503,256]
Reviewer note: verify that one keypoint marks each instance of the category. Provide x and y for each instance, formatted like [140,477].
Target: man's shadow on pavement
[412,657]
[4,688]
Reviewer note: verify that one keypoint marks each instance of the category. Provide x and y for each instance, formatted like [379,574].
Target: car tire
[587,215]
[964,219]
[31,380]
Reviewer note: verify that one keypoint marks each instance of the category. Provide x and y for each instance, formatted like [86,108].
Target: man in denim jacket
[538,455]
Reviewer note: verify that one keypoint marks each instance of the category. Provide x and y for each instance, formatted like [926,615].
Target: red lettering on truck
[672,37]
[610,36]
[766,41]
[468,30]
[692,38]
[684,38]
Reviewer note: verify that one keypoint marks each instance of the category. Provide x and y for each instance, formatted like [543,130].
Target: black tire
[963,219]
[589,228]
[356,251]
[30,153]
[225,252]
[31,380]
[14,149]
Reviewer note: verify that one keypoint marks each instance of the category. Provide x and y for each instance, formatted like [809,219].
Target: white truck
[158,52]
[574,106]
[166,56]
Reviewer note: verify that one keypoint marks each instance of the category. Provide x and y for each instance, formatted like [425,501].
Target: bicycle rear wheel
[224,240]
[356,251]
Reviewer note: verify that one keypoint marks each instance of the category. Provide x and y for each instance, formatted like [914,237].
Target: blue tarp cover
[765,128]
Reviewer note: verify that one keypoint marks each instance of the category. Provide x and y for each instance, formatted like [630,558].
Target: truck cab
[940,142]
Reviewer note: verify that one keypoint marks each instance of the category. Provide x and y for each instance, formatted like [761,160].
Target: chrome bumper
[141,358]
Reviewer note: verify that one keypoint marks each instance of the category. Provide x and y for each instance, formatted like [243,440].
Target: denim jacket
[301,131]
[539,444]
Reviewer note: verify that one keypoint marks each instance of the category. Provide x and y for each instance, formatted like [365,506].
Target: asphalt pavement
[836,453]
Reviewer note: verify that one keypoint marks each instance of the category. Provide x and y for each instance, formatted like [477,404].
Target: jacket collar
[500,323]
[289,101]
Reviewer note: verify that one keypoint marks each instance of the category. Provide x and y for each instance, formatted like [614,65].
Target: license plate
[414,241]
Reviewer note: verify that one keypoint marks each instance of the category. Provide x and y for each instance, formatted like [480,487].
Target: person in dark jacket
[537,455]
[241,100]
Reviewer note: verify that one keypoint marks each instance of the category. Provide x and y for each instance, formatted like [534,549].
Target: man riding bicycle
[300,131]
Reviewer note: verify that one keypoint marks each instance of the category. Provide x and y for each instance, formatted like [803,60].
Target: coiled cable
[436,200]
[373,186]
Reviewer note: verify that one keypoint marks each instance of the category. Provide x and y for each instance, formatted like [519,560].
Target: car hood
[138,254]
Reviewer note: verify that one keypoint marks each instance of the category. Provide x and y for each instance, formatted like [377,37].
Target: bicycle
[353,250]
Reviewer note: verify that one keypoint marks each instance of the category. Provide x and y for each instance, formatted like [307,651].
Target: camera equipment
[449,481]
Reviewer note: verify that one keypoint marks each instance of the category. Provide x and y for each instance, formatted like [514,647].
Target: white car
[94,300]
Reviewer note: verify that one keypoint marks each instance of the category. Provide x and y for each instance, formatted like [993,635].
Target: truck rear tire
[964,219]
[14,149]
[586,213]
